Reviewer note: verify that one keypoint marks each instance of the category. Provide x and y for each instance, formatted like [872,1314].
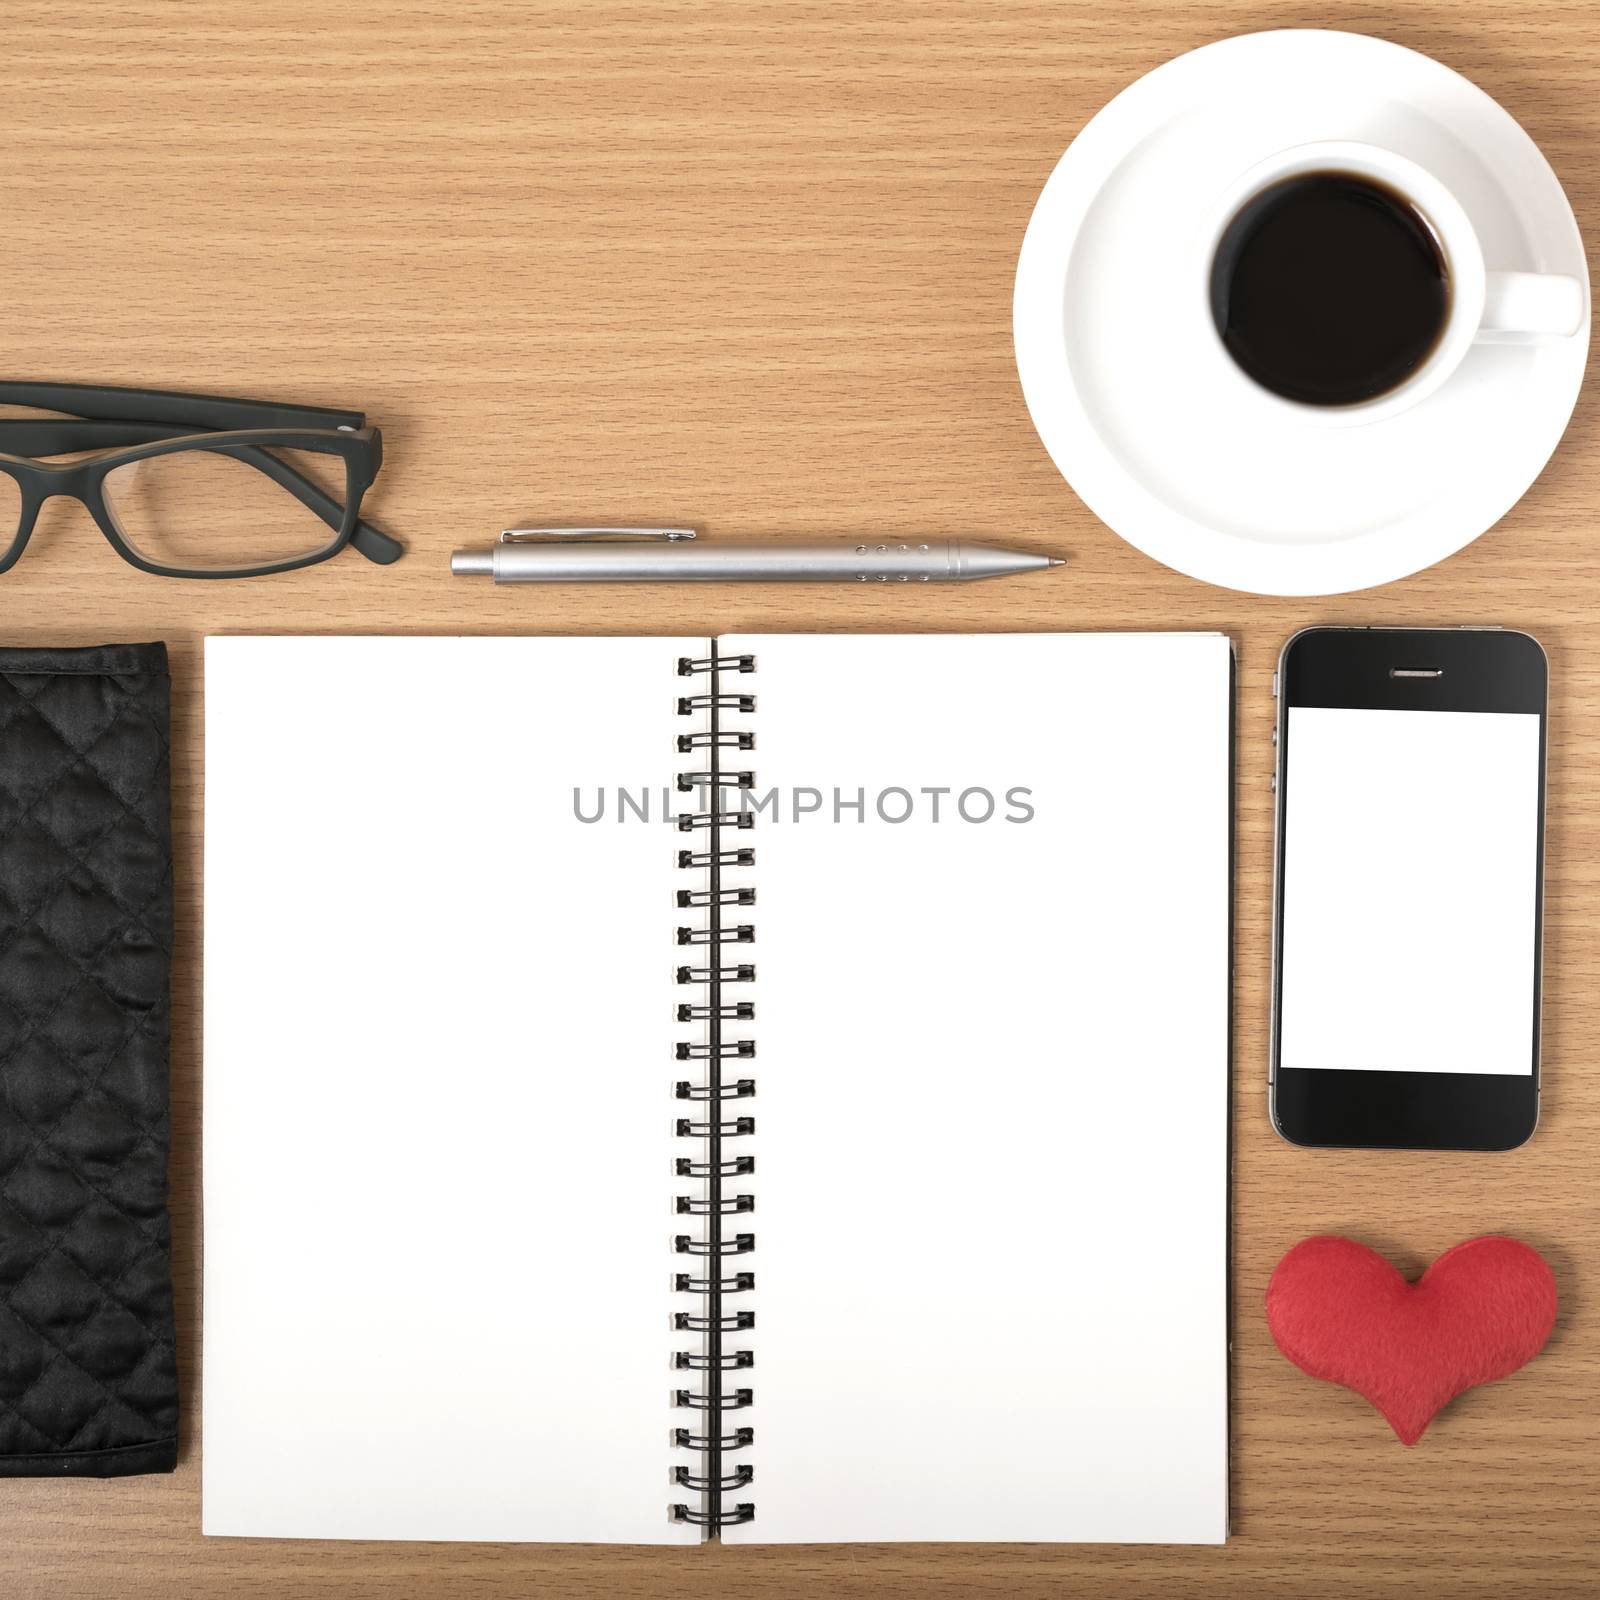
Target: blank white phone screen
[1410,890]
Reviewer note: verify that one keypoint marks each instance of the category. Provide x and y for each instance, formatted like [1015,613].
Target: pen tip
[1057,561]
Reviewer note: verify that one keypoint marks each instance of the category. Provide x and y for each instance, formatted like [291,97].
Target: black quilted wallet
[88,1371]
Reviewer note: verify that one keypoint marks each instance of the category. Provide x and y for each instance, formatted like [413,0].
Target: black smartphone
[1408,892]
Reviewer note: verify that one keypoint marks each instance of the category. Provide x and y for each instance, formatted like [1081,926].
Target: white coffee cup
[1485,307]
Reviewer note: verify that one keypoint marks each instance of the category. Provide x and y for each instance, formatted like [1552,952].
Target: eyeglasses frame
[127,425]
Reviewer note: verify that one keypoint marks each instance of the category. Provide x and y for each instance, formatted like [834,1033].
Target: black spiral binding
[711,1438]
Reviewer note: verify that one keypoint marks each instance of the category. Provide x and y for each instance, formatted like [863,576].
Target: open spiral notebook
[774,1086]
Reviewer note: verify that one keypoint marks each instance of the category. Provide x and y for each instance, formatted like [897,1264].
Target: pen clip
[594,535]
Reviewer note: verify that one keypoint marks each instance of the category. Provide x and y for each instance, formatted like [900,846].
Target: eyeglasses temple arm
[109,403]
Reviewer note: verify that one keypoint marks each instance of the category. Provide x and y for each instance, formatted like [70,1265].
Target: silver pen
[673,555]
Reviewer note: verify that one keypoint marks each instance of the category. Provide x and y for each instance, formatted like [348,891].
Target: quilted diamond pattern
[88,1373]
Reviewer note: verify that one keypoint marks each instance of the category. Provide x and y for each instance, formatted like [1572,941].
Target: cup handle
[1520,307]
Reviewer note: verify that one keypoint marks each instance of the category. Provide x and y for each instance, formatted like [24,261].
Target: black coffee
[1329,289]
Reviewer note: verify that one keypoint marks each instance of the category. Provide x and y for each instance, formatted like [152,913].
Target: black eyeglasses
[191,486]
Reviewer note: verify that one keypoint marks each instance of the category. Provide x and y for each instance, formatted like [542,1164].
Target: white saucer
[1211,478]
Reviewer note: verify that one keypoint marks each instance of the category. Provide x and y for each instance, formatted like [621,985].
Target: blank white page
[992,1090]
[437,1091]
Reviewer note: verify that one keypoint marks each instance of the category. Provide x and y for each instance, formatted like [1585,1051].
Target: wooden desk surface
[748,265]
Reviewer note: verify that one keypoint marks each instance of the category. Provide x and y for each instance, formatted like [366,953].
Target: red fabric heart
[1339,1311]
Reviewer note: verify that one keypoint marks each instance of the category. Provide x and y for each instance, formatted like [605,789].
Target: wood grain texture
[748,265]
